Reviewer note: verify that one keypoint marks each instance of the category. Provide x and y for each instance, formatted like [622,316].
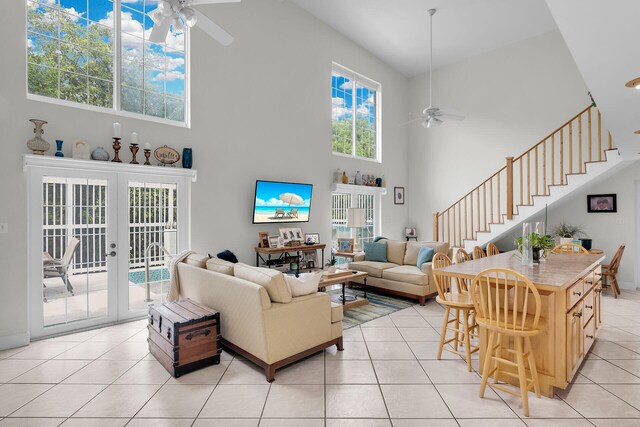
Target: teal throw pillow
[375,251]
[424,255]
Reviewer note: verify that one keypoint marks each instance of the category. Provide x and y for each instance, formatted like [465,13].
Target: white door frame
[34,272]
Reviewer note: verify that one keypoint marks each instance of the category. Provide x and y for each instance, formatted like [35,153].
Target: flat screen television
[279,202]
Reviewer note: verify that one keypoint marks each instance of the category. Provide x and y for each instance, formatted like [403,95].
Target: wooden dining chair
[569,248]
[507,305]
[492,249]
[610,271]
[462,256]
[478,253]
[464,325]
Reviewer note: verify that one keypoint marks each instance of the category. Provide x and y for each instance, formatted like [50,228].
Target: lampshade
[355,218]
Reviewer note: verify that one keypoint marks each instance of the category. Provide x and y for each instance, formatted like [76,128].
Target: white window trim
[359,78]
[117,59]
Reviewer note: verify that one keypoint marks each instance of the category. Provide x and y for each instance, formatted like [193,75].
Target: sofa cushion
[197,260]
[424,255]
[374,268]
[272,280]
[305,284]
[411,253]
[375,251]
[438,247]
[406,273]
[220,266]
[395,251]
[336,312]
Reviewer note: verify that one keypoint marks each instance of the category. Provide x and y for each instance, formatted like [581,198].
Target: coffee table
[345,280]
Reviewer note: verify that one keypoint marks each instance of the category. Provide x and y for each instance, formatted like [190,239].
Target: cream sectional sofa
[259,319]
[400,275]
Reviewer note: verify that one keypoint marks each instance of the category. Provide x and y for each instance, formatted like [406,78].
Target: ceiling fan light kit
[635,83]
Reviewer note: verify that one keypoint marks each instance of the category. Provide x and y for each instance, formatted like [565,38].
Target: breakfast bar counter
[570,288]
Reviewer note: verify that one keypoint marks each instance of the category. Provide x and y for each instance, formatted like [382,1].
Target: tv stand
[270,257]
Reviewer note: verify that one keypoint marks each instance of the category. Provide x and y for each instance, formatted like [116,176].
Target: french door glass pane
[153,219]
[74,266]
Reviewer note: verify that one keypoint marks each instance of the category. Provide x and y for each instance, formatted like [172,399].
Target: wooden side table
[281,253]
[345,280]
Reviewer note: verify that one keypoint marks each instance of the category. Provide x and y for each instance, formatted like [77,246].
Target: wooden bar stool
[569,248]
[478,253]
[464,320]
[462,256]
[610,271]
[508,305]
[492,249]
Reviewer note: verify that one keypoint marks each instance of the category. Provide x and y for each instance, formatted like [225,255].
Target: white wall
[512,98]
[260,110]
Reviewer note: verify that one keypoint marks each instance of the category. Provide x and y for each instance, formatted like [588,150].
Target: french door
[99,244]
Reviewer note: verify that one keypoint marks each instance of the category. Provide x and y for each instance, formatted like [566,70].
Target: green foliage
[332,261]
[537,242]
[566,230]
[365,137]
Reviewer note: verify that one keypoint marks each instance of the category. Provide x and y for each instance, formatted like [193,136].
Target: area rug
[379,305]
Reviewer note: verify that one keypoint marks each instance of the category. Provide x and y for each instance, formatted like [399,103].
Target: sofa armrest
[359,256]
[428,270]
[297,326]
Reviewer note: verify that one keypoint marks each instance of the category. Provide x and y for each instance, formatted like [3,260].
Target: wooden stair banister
[532,173]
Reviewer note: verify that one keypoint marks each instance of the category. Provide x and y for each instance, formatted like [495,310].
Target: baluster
[561,156]
[536,171]
[471,215]
[449,227]
[544,167]
[491,198]
[521,182]
[499,205]
[484,202]
[570,147]
[553,160]
[459,229]
[436,234]
[610,142]
[528,178]
[599,136]
[466,226]
[509,187]
[580,142]
[590,139]
[478,208]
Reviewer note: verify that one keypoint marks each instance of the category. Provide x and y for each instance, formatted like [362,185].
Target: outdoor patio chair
[279,212]
[293,213]
[59,267]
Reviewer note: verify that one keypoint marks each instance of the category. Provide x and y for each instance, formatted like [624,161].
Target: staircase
[568,158]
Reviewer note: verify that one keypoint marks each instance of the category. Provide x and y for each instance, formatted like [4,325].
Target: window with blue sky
[355,114]
[71,57]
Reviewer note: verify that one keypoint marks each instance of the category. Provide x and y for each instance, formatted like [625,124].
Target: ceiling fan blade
[160,30]
[411,121]
[213,29]
[199,2]
[451,116]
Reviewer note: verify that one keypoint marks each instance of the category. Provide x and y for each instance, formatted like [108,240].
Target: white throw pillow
[306,284]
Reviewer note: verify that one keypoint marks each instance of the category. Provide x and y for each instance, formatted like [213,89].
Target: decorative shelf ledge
[363,189]
[98,166]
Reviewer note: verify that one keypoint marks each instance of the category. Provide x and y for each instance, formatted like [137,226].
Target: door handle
[112,253]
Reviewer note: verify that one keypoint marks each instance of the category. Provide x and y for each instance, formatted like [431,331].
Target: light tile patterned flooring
[387,375]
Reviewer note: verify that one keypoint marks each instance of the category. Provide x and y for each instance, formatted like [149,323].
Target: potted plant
[566,232]
[331,265]
[539,244]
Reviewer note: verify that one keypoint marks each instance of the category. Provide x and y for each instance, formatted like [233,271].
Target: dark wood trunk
[184,336]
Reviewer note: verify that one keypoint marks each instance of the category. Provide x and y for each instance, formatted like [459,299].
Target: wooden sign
[166,155]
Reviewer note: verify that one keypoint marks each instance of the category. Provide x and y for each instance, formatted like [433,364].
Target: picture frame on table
[312,238]
[309,257]
[345,245]
[398,195]
[263,239]
[602,203]
[273,242]
[289,234]
[410,232]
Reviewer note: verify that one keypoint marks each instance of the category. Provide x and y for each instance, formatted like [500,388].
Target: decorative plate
[166,155]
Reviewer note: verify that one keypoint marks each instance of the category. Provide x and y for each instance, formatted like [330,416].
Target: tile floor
[387,375]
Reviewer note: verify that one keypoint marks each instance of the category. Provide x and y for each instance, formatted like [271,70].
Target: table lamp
[356,219]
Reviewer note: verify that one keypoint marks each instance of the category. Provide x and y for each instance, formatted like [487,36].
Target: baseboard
[13,341]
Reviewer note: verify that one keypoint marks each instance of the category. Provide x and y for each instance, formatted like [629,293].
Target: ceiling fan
[178,13]
[434,115]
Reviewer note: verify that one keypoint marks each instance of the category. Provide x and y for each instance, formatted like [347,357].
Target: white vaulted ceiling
[396,30]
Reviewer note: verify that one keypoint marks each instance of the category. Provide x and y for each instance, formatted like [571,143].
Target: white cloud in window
[347,85]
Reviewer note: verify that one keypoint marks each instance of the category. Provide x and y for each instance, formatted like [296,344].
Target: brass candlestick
[134,150]
[116,149]
[147,154]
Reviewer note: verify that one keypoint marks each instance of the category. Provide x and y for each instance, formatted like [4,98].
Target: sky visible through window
[70,48]
[343,97]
